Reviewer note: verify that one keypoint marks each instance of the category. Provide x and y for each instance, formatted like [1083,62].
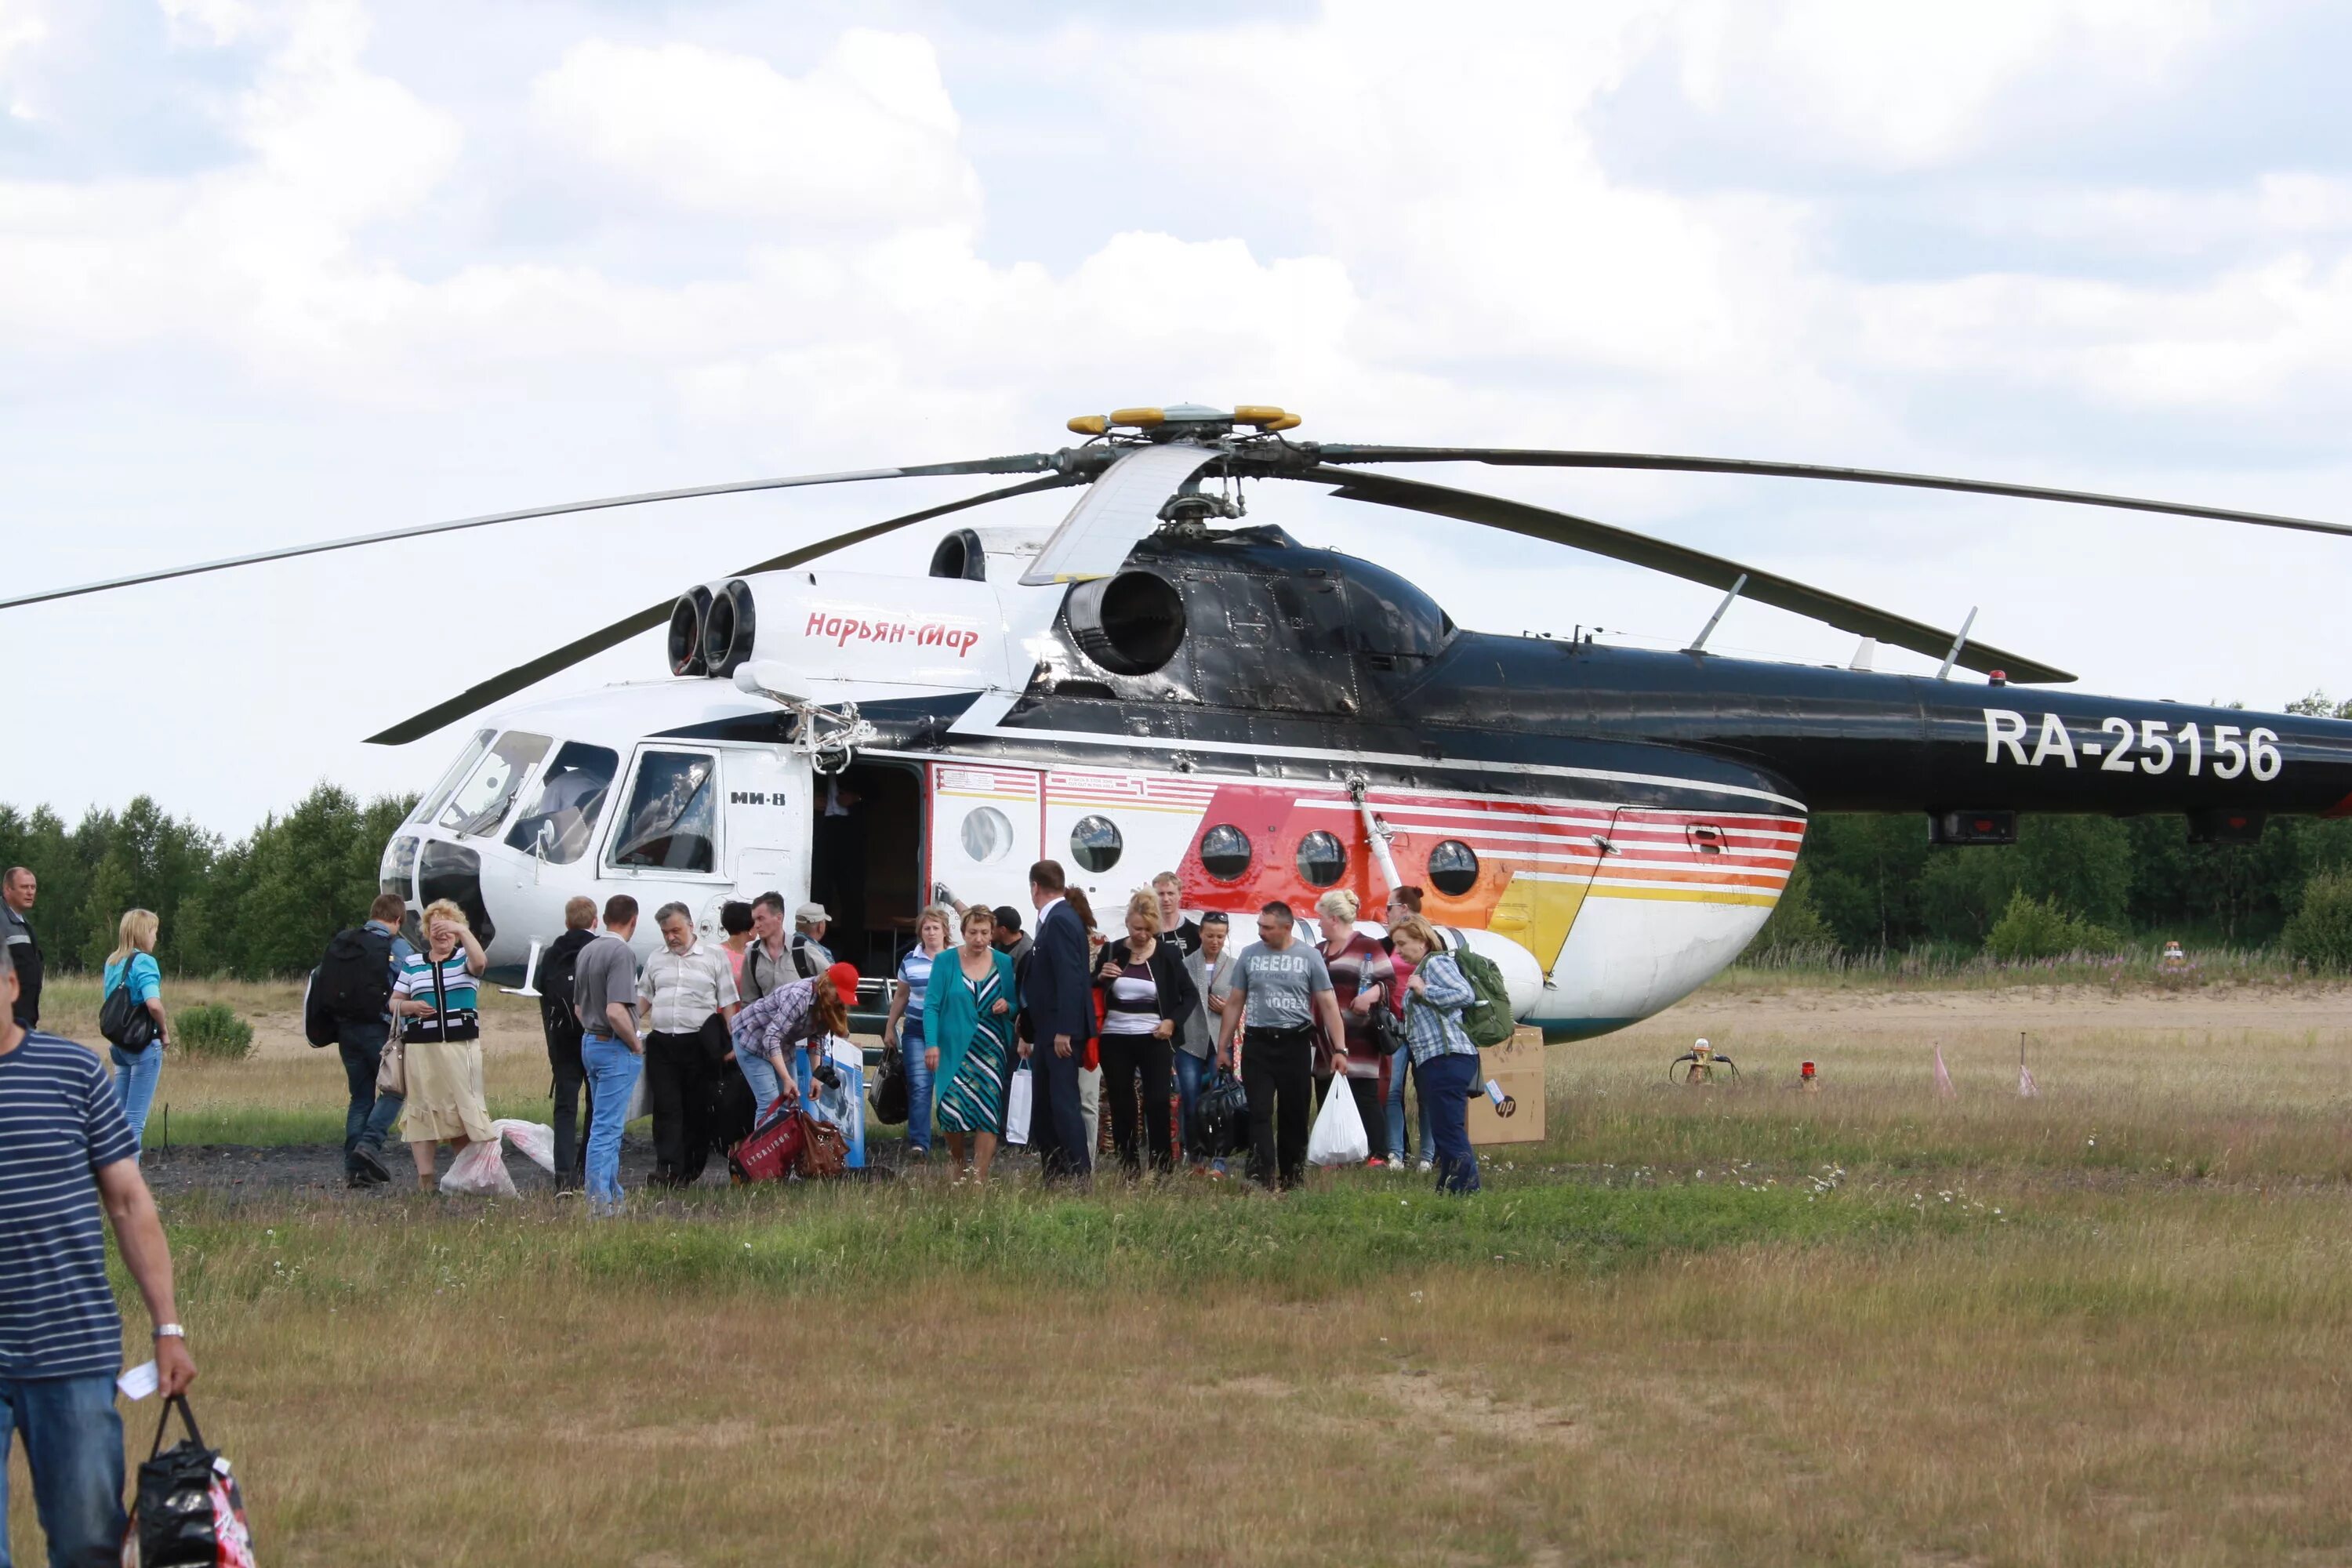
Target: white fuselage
[1599,913]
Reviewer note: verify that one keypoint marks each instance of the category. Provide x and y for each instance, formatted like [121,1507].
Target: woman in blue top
[972,1003]
[435,999]
[905,1024]
[133,964]
[1445,1058]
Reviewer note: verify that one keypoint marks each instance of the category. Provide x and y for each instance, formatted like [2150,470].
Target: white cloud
[866,138]
[1894,86]
[614,262]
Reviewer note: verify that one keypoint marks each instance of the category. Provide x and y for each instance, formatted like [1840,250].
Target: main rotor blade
[1025,463]
[1697,566]
[1122,508]
[506,683]
[1508,457]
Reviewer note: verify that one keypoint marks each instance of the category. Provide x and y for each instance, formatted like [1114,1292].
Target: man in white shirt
[688,994]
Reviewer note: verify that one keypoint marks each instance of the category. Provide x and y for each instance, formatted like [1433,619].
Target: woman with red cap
[789,1016]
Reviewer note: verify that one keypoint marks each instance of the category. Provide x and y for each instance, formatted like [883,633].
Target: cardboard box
[1517,1065]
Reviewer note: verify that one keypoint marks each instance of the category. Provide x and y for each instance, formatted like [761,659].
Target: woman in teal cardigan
[968,1016]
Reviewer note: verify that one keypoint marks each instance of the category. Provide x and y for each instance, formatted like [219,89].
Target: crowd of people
[708,1037]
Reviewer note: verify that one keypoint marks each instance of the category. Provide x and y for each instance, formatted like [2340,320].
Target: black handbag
[126,1023]
[1221,1117]
[189,1511]
[890,1106]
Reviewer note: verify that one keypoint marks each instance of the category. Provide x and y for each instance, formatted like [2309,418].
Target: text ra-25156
[2153,746]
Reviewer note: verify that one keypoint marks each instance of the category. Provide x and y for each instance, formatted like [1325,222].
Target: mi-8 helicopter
[1149,685]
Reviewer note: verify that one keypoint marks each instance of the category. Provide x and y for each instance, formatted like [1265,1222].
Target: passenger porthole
[1225,852]
[987,835]
[1094,844]
[1453,867]
[1322,860]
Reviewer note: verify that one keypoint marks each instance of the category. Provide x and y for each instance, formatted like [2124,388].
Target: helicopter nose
[454,872]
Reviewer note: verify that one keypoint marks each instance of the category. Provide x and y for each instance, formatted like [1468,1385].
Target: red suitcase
[771,1151]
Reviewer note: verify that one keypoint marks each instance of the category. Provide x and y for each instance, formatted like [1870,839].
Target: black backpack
[557,976]
[353,983]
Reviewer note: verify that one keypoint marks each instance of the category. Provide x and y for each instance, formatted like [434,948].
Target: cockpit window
[481,802]
[673,817]
[561,817]
[438,796]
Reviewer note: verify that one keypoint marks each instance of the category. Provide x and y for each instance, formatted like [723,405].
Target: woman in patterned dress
[968,1019]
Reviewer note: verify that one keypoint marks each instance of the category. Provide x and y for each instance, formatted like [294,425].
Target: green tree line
[262,906]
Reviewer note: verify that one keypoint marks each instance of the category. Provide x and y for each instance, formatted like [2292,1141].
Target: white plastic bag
[1017,1106]
[535,1141]
[1338,1136]
[480,1170]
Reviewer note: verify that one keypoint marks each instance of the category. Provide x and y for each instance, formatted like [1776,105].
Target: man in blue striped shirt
[65,1151]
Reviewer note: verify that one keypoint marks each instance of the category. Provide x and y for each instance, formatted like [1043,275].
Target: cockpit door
[767,808]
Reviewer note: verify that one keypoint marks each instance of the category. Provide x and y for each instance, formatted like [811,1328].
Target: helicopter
[1155,683]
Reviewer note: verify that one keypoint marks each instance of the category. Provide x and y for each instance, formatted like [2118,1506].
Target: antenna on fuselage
[1959,643]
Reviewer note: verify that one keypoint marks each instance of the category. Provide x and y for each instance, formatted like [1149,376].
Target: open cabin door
[987,830]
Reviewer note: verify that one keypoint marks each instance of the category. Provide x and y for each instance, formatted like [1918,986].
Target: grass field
[2110,1324]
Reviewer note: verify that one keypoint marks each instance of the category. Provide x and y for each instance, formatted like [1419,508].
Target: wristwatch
[170,1332]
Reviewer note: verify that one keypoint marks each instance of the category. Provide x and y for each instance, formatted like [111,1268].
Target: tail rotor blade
[506,683]
[1661,462]
[1025,463]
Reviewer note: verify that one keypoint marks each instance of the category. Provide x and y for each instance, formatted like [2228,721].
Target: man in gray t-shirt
[1286,989]
[604,994]
[607,973]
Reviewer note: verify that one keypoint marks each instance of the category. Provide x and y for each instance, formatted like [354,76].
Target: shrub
[212,1029]
[2320,932]
[2032,928]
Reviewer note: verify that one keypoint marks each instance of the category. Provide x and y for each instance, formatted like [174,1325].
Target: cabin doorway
[866,866]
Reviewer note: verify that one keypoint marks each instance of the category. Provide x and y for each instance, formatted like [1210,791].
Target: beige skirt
[445,1092]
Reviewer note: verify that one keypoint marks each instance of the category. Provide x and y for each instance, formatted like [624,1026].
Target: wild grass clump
[211,1030]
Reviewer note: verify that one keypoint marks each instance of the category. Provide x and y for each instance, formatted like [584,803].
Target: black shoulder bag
[124,1022]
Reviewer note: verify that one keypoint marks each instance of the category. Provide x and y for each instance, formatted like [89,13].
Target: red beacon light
[1997,678]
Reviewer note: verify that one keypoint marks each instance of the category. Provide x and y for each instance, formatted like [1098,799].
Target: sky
[277,272]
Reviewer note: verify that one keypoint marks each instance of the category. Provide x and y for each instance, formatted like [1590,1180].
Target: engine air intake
[961,555]
[1131,624]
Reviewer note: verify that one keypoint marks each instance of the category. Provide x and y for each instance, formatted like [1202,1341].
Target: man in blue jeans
[359,1042]
[604,993]
[66,1153]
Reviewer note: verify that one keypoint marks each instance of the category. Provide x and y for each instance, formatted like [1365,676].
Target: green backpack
[1490,1020]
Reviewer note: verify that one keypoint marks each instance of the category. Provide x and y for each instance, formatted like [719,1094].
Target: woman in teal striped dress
[968,1015]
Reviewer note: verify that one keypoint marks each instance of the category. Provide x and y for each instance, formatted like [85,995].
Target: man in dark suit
[1059,999]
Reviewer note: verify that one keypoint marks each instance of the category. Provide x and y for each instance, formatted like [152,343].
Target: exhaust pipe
[730,628]
[686,631]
